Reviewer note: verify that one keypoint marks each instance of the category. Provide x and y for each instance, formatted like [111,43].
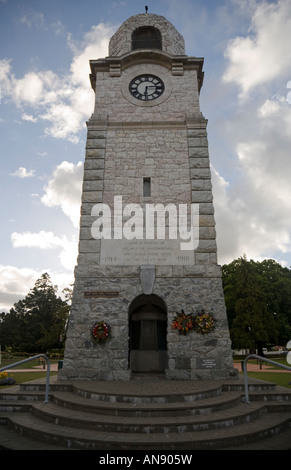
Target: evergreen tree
[251,320]
[277,286]
[36,323]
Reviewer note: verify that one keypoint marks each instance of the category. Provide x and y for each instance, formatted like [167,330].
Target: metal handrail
[254,356]
[46,400]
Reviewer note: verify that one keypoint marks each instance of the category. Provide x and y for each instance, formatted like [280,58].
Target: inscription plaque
[98,294]
[144,252]
[208,363]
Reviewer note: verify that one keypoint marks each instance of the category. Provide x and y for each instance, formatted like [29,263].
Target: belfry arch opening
[148,334]
[146,37]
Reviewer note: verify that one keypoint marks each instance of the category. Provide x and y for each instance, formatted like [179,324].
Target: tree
[250,297]
[35,323]
[277,285]
[11,329]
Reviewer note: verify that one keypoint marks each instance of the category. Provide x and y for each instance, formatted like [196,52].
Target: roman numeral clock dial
[146,87]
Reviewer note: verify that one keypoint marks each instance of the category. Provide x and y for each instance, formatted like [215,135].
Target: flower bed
[5,380]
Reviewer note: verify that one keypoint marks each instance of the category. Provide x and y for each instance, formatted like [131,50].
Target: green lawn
[279,378]
[21,377]
[5,361]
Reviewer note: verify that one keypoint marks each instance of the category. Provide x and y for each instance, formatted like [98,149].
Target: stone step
[11,440]
[7,406]
[279,394]
[149,415]
[254,385]
[281,441]
[117,408]
[24,396]
[141,392]
[166,391]
[172,424]
[124,410]
[270,424]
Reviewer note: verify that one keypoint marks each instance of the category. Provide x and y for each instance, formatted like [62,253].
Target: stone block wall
[110,153]
[164,140]
[180,288]
[114,100]
[175,158]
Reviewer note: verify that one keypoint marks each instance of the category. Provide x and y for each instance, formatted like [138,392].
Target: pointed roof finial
[146,8]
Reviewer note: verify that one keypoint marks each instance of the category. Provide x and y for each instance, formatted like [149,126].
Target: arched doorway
[148,334]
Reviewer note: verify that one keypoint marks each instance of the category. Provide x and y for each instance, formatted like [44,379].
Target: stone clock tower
[147,249]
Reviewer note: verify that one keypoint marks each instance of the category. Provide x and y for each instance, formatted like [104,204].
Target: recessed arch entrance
[148,334]
[146,37]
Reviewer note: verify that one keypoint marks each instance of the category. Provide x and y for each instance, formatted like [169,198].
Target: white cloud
[65,102]
[64,190]
[275,114]
[23,173]
[253,210]
[58,28]
[46,241]
[95,46]
[15,283]
[33,19]
[227,216]
[265,54]
[36,19]
[28,117]
[288,98]
[42,154]
[42,240]
[28,89]
[5,81]
[268,108]
[248,225]
[253,204]
[69,253]
[65,122]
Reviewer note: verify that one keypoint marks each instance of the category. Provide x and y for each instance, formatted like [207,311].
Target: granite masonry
[138,286]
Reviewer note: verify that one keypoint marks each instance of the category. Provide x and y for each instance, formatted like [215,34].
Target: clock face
[146,87]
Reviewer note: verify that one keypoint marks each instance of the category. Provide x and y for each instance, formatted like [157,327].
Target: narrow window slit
[146,187]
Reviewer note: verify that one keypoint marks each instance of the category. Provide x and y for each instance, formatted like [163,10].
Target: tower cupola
[146,31]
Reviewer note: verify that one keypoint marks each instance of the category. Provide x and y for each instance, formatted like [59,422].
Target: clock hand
[146,93]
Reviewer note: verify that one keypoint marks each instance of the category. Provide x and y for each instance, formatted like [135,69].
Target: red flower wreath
[183,323]
[100,332]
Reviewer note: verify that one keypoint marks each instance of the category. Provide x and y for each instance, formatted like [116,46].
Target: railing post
[246,381]
[47,385]
[244,367]
[46,400]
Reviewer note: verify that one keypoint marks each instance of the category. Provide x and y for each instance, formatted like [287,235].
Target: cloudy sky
[46,98]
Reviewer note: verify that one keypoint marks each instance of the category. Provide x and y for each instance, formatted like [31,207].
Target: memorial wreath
[183,323]
[100,331]
[203,323]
